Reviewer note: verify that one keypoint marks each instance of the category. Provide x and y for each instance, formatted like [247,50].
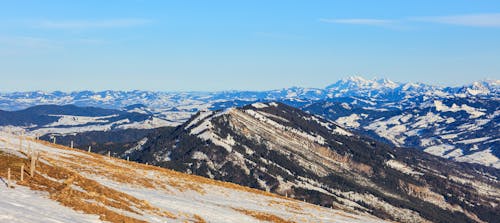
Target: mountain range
[460,123]
[381,89]
[367,147]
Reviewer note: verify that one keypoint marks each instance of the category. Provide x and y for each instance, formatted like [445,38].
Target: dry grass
[66,168]
[291,206]
[121,173]
[90,197]
[198,219]
[263,216]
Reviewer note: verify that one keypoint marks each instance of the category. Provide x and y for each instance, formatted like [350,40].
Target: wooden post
[22,172]
[8,178]
[72,144]
[33,164]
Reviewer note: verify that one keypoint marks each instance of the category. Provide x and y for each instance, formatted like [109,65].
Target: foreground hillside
[278,148]
[74,186]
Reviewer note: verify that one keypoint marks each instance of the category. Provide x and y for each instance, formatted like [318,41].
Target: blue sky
[222,45]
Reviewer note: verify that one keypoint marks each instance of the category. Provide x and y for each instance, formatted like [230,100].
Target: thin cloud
[491,20]
[91,24]
[358,21]
[26,41]
[474,20]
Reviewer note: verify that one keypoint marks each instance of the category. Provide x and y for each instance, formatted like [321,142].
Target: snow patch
[259,105]
[350,121]
[474,112]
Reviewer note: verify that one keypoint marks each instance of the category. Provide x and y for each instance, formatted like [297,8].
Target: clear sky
[175,45]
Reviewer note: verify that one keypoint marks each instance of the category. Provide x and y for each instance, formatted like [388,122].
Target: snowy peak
[482,88]
[385,88]
[357,82]
[387,83]
[360,87]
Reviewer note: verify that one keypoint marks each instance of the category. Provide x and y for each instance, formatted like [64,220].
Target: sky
[185,45]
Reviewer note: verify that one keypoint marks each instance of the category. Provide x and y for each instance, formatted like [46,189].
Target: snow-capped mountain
[462,128]
[69,185]
[281,149]
[453,122]
[376,92]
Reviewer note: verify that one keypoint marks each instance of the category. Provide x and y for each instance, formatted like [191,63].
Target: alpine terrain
[459,123]
[281,149]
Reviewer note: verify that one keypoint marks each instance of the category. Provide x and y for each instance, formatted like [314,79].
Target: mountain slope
[70,119]
[463,129]
[281,149]
[74,186]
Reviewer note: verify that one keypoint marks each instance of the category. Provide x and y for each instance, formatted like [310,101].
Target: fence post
[8,178]
[90,149]
[72,144]
[109,153]
[128,158]
[54,141]
[33,164]
[22,172]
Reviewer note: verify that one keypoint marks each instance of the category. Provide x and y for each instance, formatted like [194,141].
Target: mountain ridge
[351,86]
[465,115]
[277,148]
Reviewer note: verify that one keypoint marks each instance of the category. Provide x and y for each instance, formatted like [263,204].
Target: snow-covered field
[76,186]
